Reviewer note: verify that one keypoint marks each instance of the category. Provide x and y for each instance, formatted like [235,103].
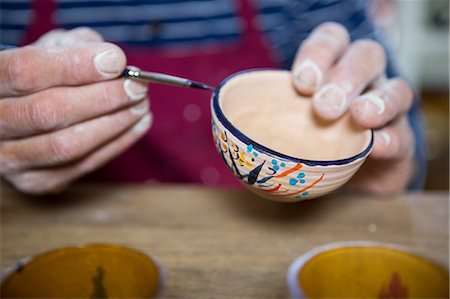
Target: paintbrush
[133,72]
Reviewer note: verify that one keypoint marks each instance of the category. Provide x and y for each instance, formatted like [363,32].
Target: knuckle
[25,183]
[320,47]
[41,114]
[406,134]
[35,183]
[385,189]
[370,47]
[391,142]
[9,161]
[334,29]
[4,164]
[111,95]
[18,67]
[403,89]
[62,147]
[86,33]
[331,35]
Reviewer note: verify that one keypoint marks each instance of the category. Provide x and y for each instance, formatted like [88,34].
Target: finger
[30,69]
[59,107]
[363,62]
[383,177]
[381,105]
[317,54]
[61,37]
[41,181]
[68,144]
[394,141]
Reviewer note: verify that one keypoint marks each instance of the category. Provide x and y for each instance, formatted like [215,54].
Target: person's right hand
[63,110]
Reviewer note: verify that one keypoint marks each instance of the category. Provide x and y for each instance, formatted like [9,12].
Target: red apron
[179,147]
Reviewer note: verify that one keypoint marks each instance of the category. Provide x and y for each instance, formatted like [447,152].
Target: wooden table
[218,243]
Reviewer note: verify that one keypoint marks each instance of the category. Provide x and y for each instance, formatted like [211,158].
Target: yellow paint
[366,272]
[83,272]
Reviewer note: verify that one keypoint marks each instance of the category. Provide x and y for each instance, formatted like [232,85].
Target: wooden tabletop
[218,243]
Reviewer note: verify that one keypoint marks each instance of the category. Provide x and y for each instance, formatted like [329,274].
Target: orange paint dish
[90,271]
[366,270]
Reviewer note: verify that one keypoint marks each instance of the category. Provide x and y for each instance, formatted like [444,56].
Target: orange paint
[283,174]
[273,189]
[395,289]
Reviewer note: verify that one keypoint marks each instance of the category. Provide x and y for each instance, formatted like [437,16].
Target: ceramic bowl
[90,271]
[272,141]
[363,269]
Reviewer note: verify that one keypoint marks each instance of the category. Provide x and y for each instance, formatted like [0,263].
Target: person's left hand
[344,77]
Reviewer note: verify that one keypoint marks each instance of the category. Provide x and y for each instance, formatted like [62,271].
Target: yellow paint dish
[90,271]
[366,270]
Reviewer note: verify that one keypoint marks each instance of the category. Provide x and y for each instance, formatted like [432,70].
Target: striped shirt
[171,23]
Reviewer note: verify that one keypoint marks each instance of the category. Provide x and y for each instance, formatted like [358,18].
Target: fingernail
[369,104]
[108,62]
[385,137]
[135,90]
[140,109]
[331,101]
[143,124]
[307,74]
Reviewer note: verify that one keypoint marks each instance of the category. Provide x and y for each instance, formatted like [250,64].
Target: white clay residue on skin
[266,108]
[143,124]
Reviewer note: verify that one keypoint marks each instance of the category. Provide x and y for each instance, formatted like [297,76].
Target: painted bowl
[366,270]
[90,271]
[272,141]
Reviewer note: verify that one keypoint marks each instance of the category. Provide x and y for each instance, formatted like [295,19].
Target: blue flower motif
[249,147]
[293,181]
[282,164]
[301,175]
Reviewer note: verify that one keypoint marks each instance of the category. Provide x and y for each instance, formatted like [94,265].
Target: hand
[344,77]
[63,110]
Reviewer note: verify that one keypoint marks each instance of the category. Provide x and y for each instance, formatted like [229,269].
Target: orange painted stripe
[273,189]
[296,167]
[306,188]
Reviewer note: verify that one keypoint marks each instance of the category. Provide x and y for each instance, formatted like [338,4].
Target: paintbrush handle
[135,73]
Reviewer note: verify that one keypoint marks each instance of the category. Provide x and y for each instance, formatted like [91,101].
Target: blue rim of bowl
[296,290]
[236,132]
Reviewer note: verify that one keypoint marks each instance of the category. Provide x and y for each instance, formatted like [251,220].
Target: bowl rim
[268,151]
[294,288]
[162,277]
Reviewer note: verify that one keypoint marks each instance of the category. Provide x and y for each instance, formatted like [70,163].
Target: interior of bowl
[264,106]
[371,272]
[91,271]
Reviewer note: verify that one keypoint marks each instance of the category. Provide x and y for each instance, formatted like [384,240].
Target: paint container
[90,271]
[362,269]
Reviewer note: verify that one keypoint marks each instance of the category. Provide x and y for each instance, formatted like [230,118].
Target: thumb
[62,37]
[30,69]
